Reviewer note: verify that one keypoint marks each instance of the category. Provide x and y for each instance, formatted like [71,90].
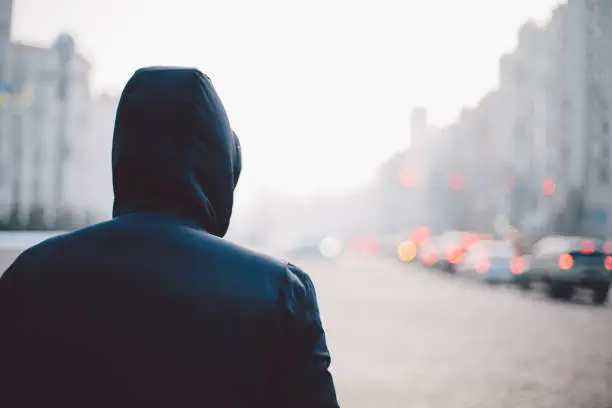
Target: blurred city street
[404,336]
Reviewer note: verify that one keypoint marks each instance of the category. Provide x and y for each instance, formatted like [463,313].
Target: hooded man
[153,308]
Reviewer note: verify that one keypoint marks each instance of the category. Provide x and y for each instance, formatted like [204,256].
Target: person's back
[153,308]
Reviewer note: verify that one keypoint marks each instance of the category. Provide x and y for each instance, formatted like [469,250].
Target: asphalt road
[405,336]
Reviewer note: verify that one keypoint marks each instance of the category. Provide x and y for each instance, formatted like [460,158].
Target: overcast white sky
[320,91]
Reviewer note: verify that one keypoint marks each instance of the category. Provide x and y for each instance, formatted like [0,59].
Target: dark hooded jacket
[153,308]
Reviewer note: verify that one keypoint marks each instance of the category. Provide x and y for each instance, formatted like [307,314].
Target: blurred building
[557,84]
[44,128]
[6,12]
[49,118]
[402,190]
[47,114]
[537,149]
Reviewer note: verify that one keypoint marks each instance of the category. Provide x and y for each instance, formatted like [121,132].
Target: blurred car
[564,264]
[445,251]
[493,261]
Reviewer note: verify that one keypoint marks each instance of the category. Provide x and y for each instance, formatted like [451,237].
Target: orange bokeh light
[454,256]
[548,187]
[407,251]
[566,262]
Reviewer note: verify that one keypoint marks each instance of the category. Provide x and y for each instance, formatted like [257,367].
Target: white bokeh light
[330,247]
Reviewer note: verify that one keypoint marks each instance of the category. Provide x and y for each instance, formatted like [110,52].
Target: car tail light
[517,266]
[608,263]
[588,247]
[608,247]
[428,256]
[454,256]
[429,259]
[566,262]
[482,266]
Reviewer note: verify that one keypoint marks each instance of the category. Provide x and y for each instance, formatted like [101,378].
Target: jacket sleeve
[303,370]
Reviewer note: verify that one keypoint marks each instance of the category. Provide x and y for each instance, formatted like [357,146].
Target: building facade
[6,13]
[46,121]
[536,150]
[46,131]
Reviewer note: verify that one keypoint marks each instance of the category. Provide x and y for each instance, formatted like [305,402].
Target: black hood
[174,151]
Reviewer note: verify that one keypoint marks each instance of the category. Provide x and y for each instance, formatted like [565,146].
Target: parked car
[564,264]
[493,261]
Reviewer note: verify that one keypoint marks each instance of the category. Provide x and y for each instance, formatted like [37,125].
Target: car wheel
[560,291]
[600,295]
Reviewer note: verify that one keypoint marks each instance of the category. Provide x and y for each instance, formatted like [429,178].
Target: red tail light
[517,266]
[483,265]
[429,260]
[428,256]
[566,262]
[608,263]
[588,247]
[454,256]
